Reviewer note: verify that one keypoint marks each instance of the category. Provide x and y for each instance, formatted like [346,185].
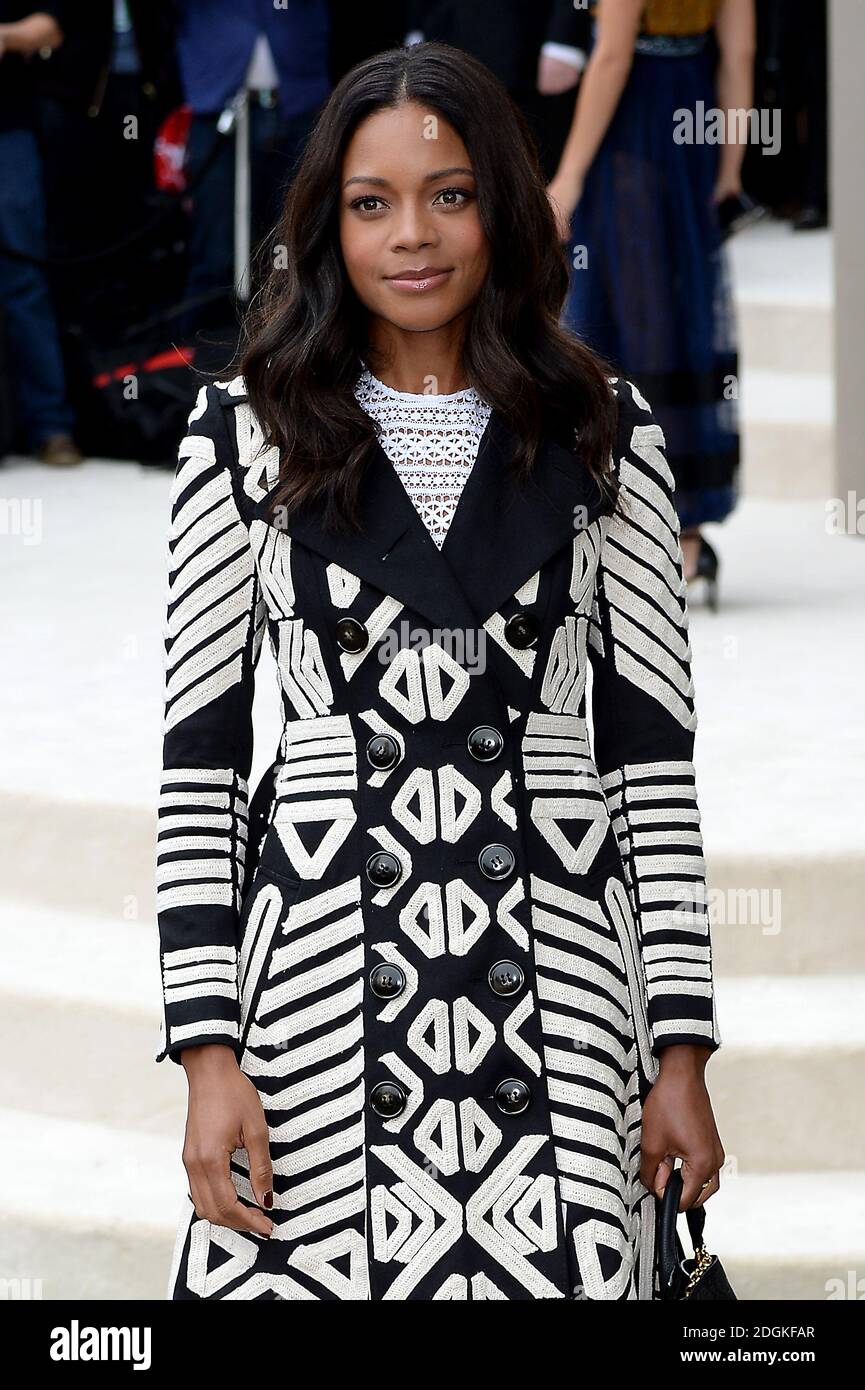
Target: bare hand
[563,200]
[555,76]
[678,1123]
[225,1113]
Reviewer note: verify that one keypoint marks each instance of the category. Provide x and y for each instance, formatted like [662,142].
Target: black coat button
[506,978]
[388,1099]
[485,743]
[496,861]
[382,751]
[512,1097]
[383,869]
[522,629]
[387,981]
[351,634]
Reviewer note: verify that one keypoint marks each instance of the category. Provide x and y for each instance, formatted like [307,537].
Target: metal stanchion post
[235,118]
[242,199]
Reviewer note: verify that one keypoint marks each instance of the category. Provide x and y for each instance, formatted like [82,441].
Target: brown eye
[461,193]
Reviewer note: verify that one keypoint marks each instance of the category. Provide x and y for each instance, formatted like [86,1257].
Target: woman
[464,966]
[637,193]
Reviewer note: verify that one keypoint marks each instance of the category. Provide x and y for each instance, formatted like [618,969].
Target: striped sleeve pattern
[213,630]
[644,723]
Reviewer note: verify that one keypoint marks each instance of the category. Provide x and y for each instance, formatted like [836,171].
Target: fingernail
[661,1191]
[268,1199]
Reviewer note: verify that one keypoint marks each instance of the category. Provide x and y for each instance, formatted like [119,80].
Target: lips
[426,272]
[414,282]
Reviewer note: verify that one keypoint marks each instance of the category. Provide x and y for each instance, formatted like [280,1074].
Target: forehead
[404,143]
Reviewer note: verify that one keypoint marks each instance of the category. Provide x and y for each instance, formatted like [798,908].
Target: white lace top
[431,440]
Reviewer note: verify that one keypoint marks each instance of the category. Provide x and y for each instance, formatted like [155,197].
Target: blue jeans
[34,344]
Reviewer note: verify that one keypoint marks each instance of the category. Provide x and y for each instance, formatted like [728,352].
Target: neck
[420,363]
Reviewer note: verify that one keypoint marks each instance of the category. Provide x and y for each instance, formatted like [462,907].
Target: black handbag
[679,1277]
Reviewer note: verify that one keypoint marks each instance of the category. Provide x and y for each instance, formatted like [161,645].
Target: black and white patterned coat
[466,924]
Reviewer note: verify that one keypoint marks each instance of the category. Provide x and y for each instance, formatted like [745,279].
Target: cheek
[359,252]
[471,246]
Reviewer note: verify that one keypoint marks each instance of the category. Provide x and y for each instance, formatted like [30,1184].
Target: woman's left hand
[678,1123]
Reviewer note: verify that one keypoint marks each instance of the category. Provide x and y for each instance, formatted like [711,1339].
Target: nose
[412,228]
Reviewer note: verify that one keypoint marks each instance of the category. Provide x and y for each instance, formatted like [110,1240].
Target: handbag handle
[670,1250]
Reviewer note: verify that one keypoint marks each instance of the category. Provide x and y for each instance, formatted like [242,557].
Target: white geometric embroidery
[343,586]
[475,1123]
[272,550]
[336,814]
[474,1035]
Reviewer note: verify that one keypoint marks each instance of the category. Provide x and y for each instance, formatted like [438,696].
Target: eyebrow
[428,178]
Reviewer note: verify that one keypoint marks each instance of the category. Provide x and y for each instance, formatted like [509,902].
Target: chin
[420,321]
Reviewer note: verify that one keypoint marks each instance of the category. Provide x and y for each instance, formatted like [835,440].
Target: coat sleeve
[644,723]
[569,27]
[213,630]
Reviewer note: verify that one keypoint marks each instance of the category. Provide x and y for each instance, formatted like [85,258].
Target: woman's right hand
[225,1113]
[564,194]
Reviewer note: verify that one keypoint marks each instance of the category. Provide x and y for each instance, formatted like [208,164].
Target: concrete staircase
[784,310]
[92,1129]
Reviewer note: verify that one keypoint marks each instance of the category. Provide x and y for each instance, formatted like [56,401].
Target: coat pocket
[263,913]
[307,835]
[617,905]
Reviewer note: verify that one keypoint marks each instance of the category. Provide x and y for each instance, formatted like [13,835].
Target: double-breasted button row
[388,1099]
[496,862]
[522,629]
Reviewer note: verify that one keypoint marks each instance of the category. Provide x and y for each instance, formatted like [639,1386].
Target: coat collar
[499,536]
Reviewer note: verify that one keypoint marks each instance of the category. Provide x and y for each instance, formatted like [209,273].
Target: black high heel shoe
[708,565]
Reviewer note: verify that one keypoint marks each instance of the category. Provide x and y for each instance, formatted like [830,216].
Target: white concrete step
[772,264]
[785,336]
[772,913]
[80,1006]
[88,1210]
[785,1082]
[784,293]
[789,1236]
[783,286]
[787,421]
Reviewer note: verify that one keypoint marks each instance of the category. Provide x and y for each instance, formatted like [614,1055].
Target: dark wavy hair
[305,330]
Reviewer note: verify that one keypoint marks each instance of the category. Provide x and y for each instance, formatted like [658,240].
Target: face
[408,209]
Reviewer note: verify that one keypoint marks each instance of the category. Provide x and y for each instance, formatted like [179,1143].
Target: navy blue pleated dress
[650,286]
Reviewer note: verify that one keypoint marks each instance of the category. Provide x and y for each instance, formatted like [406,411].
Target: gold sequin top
[676,16]
[679,16]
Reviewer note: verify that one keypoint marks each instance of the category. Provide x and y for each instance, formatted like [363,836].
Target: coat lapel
[502,533]
[499,536]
